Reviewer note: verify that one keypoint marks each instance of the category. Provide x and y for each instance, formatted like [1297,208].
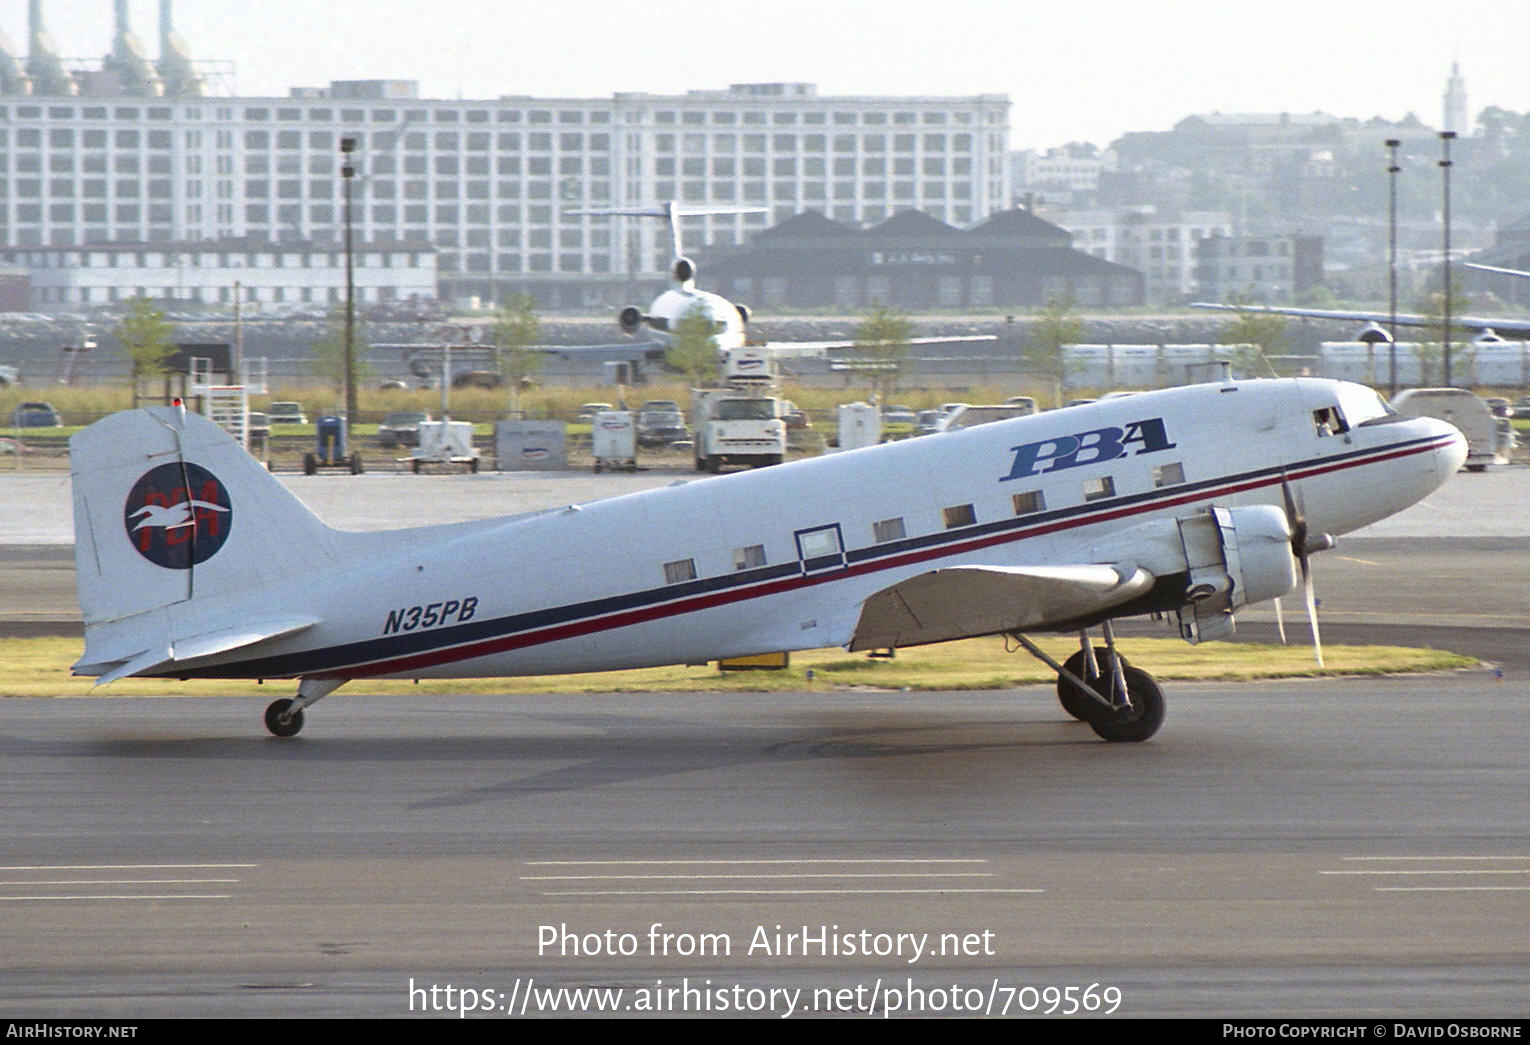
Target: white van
[1486,441]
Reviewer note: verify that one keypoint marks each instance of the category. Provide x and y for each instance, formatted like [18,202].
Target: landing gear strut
[284,718]
[1096,685]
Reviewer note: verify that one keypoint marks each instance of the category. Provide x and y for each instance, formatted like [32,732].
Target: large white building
[488,183]
[1162,246]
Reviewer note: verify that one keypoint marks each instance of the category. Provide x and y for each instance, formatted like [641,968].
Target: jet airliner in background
[1190,502]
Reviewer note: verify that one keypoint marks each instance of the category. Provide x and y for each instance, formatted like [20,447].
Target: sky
[1080,71]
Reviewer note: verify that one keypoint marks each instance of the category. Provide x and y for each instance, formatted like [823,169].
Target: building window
[749,557]
[958,515]
[1098,489]
[1029,502]
[1168,475]
[679,571]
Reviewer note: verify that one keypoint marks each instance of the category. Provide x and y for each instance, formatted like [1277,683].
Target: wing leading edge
[963,601]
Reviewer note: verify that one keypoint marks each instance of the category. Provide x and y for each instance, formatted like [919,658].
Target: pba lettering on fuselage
[1091,447]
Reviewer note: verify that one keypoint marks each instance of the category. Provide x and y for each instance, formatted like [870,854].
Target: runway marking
[118,867]
[47,879]
[814,860]
[1421,859]
[1511,870]
[815,868]
[755,877]
[1453,889]
[125,881]
[122,896]
[1415,872]
[791,892]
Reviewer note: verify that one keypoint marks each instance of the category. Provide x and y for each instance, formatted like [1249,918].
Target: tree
[1256,336]
[328,362]
[516,329]
[693,348]
[1431,353]
[1056,326]
[145,335]
[882,344]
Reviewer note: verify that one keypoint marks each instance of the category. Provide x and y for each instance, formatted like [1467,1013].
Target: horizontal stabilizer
[963,601]
[161,661]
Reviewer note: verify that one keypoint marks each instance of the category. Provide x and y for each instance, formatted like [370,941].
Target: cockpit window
[1329,421]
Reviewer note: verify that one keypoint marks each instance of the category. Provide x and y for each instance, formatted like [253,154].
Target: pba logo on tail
[178,515]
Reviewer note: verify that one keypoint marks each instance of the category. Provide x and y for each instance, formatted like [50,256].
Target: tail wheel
[1138,721]
[1074,700]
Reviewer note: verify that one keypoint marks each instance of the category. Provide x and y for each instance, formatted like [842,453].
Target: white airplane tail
[182,544]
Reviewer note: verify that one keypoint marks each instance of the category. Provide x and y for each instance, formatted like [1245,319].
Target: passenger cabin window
[958,515]
[1029,502]
[1329,421]
[1168,475]
[888,530]
[679,570]
[1098,489]
[748,558]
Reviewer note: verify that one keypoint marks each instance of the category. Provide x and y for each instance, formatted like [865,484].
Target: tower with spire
[1457,116]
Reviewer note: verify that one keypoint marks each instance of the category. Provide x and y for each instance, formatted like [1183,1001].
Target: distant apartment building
[489,184]
[206,272]
[1162,246]
[1258,269]
[1058,176]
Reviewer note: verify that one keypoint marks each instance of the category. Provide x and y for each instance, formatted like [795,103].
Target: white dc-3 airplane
[1192,501]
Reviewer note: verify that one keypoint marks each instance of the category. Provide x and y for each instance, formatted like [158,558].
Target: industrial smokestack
[44,66]
[13,73]
[180,77]
[129,59]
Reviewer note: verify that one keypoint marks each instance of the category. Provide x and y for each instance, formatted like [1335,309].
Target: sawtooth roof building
[914,260]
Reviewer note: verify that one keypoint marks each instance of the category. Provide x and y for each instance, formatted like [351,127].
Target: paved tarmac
[1353,847]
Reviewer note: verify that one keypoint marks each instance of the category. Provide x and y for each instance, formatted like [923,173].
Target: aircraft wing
[963,601]
[784,349]
[1501,325]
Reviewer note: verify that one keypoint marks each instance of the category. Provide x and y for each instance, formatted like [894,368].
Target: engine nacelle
[630,319]
[684,270]
[1235,557]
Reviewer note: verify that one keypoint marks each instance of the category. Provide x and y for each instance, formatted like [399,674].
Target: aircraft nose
[1450,448]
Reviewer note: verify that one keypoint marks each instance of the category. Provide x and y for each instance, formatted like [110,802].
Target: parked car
[660,427]
[926,421]
[1521,408]
[258,425]
[401,428]
[286,414]
[970,416]
[898,415]
[35,415]
[588,411]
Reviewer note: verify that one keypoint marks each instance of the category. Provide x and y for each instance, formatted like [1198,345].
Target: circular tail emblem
[178,515]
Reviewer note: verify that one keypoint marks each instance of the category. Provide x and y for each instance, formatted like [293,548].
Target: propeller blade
[1311,595]
[1280,622]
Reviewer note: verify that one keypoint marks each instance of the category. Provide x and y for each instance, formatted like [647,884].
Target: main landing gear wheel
[280,722]
[1074,700]
[1137,722]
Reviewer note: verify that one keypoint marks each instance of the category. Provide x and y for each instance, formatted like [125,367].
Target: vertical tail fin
[175,526]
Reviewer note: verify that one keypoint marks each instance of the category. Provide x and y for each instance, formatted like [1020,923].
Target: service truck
[734,427]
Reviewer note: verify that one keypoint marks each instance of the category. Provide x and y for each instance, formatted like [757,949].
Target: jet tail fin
[177,529]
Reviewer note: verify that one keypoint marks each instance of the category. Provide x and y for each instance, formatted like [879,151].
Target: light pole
[1392,171]
[1446,137]
[347,173]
